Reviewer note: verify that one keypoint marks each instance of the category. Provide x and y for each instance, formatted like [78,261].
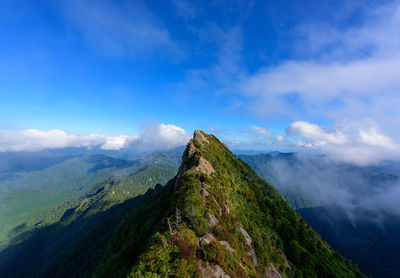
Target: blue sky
[230,67]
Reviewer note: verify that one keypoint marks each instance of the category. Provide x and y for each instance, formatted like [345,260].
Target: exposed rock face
[190,161]
[218,206]
[271,272]
[207,238]
[227,245]
[208,270]
[249,243]
[227,209]
[200,136]
[246,236]
[211,219]
[204,166]
[286,263]
[253,256]
[204,193]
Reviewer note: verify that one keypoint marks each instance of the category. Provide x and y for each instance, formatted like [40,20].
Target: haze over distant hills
[33,183]
[354,208]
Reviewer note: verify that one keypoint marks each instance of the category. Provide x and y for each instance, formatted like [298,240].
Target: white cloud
[261,130]
[155,136]
[360,143]
[164,135]
[315,134]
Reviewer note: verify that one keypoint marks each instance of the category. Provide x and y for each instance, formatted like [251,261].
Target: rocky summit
[225,221]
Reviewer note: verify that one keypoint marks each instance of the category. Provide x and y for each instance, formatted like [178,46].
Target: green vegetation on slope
[108,193]
[71,241]
[19,210]
[220,195]
[32,185]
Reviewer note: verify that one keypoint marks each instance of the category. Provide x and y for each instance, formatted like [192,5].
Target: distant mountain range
[31,184]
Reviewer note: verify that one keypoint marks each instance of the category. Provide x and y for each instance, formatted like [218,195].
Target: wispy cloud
[185,8]
[155,136]
[352,73]
[121,29]
[222,73]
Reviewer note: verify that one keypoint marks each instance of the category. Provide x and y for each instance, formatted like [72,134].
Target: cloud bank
[361,143]
[155,136]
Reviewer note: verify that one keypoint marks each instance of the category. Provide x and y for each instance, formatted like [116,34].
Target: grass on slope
[80,230]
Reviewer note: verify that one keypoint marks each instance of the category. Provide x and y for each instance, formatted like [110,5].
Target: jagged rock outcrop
[211,219]
[207,238]
[271,272]
[193,162]
[227,245]
[208,270]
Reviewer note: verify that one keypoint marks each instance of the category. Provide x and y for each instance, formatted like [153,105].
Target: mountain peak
[192,160]
[225,221]
[200,136]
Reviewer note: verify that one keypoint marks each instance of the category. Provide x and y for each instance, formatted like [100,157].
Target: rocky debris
[227,245]
[208,270]
[204,166]
[204,193]
[218,206]
[207,238]
[246,236]
[227,208]
[283,256]
[205,186]
[253,256]
[271,272]
[188,158]
[249,242]
[211,219]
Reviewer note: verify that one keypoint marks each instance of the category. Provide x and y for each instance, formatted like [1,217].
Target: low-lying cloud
[155,136]
[325,182]
[361,143]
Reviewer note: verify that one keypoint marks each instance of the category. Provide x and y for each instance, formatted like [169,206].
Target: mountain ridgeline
[215,218]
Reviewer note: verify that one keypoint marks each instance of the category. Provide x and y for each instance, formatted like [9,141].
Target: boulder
[207,238]
[208,270]
[211,219]
[271,272]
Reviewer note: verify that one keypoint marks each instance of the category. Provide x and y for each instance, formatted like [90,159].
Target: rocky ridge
[230,224]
